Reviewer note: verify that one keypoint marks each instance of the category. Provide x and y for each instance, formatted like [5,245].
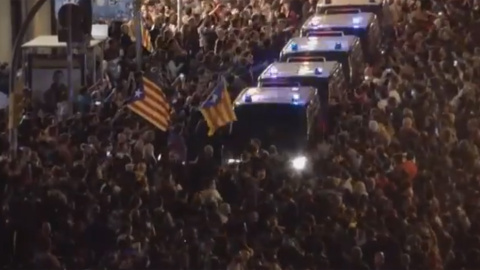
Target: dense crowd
[396,187]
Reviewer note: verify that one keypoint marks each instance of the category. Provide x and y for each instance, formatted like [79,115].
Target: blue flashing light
[294,47]
[318,71]
[295,97]
[338,46]
[247,98]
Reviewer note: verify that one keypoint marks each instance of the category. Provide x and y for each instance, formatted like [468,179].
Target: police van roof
[346,3]
[355,20]
[301,95]
[319,44]
[298,69]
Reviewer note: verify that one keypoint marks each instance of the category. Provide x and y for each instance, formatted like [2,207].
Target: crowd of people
[395,187]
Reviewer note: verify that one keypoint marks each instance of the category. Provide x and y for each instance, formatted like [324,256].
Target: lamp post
[137,13]
[179,14]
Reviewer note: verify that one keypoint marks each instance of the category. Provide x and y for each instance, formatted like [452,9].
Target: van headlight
[299,163]
[233,161]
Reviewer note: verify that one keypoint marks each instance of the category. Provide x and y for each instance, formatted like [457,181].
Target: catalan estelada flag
[217,109]
[150,103]
[146,41]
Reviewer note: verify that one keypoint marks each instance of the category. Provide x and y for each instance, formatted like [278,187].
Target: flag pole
[138,33]
[179,15]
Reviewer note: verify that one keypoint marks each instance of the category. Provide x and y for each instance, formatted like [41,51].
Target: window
[357,56]
[338,86]
[374,34]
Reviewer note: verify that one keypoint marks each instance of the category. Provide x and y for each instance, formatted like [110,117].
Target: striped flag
[16,104]
[150,103]
[217,109]
[132,32]
[146,41]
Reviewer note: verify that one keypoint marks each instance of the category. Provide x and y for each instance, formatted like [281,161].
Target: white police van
[346,50]
[363,25]
[327,77]
[285,116]
[378,7]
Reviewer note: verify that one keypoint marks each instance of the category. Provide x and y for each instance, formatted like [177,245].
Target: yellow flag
[16,105]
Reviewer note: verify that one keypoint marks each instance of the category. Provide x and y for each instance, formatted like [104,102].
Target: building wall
[42,23]
[9,13]
[5,32]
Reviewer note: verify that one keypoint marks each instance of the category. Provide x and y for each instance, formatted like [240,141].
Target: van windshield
[284,125]
[376,9]
[337,56]
[347,30]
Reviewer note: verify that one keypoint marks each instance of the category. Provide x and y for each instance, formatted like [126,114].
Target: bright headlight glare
[233,161]
[299,163]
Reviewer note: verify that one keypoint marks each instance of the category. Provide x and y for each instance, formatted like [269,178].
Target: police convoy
[345,50]
[292,105]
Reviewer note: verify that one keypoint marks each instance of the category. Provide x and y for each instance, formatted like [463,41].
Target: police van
[378,7]
[343,49]
[287,117]
[363,25]
[327,77]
